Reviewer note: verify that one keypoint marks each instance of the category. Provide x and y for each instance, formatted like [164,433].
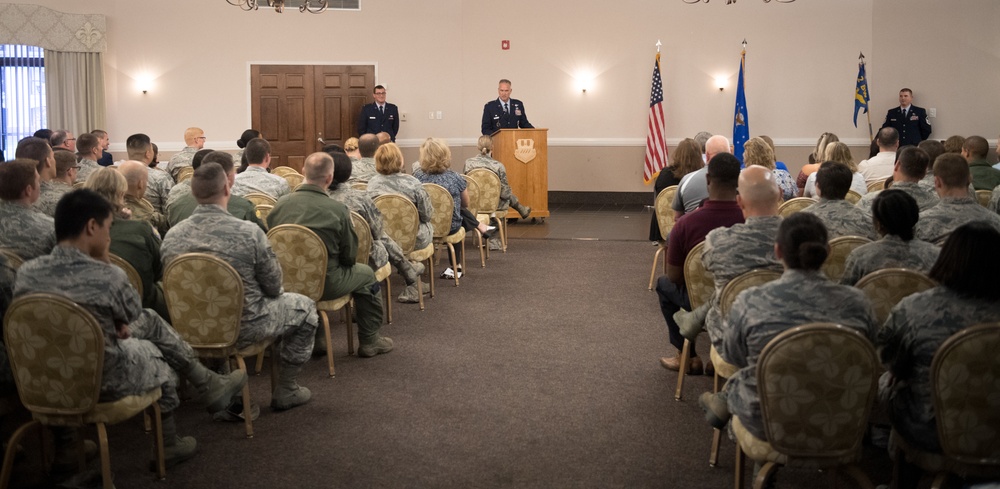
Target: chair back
[886,287]
[56,351]
[699,281]
[964,376]
[400,218]
[877,185]
[489,187]
[262,211]
[476,206]
[665,213]
[983,197]
[444,208]
[816,385]
[362,186]
[281,171]
[13,258]
[130,272]
[258,198]
[743,282]
[852,197]
[836,262]
[791,206]
[185,174]
[364,233]
[293,179]
[205,300]
[303,259]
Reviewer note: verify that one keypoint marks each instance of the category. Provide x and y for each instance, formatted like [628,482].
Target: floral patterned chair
[13,258]
[836,262]
[444,208]
[475,203]
[205,299]
[816,385]
[294,179]
[885,288]
[185,174]
[665,218]
[791,206]
[303,259]
[700,286]
[56,350]
[489,200]
[364,251]
[281,171]
[852,197]
[965,374]
[401,224]
[723,369]
[130,271]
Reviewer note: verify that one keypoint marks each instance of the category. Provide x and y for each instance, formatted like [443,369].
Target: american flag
[656,143]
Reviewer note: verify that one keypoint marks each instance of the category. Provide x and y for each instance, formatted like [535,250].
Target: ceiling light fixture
[311,6]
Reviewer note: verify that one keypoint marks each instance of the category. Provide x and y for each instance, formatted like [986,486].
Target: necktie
[506,110]
[381,108]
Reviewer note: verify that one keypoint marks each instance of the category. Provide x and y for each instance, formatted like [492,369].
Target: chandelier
[311,6]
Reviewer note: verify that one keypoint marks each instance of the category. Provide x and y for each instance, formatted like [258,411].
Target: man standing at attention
[194,138]
[310,206]
[908,120]
[379,116]
[504,112]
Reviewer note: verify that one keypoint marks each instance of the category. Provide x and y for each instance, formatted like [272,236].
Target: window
[22,94]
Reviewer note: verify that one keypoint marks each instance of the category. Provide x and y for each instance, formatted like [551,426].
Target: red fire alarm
[505,45]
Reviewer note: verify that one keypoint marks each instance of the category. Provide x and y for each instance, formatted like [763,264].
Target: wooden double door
[295,107]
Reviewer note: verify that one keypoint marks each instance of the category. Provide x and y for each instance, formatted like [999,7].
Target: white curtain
[75,91]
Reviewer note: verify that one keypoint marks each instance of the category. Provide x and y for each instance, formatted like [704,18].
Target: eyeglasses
[201,137]
[379,93]
[71,139]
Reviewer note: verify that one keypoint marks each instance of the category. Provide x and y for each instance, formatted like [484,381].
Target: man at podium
[504,112]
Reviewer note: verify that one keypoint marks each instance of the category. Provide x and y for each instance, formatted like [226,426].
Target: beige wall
[444,55]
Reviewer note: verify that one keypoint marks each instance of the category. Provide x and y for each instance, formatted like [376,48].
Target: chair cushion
[382,273]
[723,368]
[334,304]
[421,255]
[456,237]
[105,412]
[762,451]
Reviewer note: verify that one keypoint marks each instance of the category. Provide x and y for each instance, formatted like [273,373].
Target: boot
[176,449]
[289,393]
[381,344]
[521,209]
[691,323]
[213,389]
[411,271]
[411,295]
[319,346]
[67,456]
[716,408]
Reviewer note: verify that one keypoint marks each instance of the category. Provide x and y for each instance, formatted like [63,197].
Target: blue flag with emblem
[861,93]
[741,123]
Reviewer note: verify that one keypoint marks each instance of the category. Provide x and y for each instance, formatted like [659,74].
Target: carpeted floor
[540,370]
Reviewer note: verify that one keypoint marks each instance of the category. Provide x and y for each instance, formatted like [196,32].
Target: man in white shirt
[880,166]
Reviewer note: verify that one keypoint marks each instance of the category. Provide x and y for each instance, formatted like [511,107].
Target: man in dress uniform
[909,120]
[504,112]
[379,116]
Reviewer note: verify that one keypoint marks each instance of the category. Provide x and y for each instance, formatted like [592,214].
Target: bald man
[693,188]
[194,139]
[136,174]
[730,252]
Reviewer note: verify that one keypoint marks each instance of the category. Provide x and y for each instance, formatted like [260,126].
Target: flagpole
[868,110]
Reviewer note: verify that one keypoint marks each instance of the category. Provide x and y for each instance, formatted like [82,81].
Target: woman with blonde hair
[815,159]
[134,241]
[351,148]
[838,152]
[685,159]
[390,179]
[435,167]
[757,152]
[485,160]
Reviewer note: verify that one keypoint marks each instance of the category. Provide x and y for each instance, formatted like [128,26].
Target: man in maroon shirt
[719,210]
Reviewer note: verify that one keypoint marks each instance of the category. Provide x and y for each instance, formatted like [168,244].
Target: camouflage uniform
[907,342]
[135,242]
[994,204]
[28,232]
[182,204]
[939,221]
[507,198]
[926,198]
[761,313]
[408,186]
[255,179]
[267,311]
[180,160]
[7,276]
[311,207]
[928,183]
[158,185]
[362,170]
[889,252]
[384,249]
[152,353]
[51,192]
[179,189]
[142,210]
[732,251]
[86,168]
[842,219]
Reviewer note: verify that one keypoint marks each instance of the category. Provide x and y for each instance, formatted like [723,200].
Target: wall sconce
[584,81]
[720,82]
[144,83]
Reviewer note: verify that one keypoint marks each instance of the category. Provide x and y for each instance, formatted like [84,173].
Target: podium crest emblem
[525,151]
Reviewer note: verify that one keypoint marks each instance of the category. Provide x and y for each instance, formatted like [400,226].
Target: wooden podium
[525,154]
